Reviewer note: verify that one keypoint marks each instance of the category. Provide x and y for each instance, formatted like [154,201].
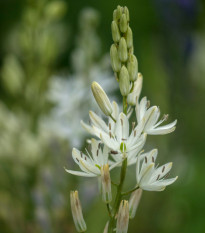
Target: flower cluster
[119,143]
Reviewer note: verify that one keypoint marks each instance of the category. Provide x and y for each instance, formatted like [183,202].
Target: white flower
[91,165]
[121,143]
[150,178]
[150,117]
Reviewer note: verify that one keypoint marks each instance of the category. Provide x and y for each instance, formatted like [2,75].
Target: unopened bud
[131,98]
[115,15]
[134,202]
[123,217]
[115,32]
[115,61]
[124,81]
[101,99]
[119,12]
[123,23]
[77,212]
[126,11]
[55,9]
[132,67]
[122,50]
[106,184]
[129,38]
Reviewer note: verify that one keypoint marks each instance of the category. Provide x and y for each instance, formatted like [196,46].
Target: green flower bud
[122,50]
[115,61]
[129,38]
[101,99]
[115,15]
[119,12]
[115,32]
[126,11]
[124,81]
[55,10]
[123,23]
[132,67]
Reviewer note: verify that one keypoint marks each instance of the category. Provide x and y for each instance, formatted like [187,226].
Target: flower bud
[106,184]
[129,38]
[115,61]
[122,50]
[115,15]
[119,12]
[55,10]
[123,217]
[115,32]
[126,11]
[132,67]
[77,212]
[131,98]
[101,99]
[124,81]
[123,23]
[134,202]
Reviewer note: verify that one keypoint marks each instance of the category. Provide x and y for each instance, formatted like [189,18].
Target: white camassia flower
[91,165]
[148,176]
[150,117]
[121,142]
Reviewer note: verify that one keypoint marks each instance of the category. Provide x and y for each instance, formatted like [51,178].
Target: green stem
[130,191]
[118,196]
[125,105]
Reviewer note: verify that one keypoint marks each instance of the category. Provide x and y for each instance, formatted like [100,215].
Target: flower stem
[125,105]
[118,196]
[130,191]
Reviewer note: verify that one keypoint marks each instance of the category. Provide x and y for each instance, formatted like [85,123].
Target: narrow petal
[110,142]
[97,121]
[77,173]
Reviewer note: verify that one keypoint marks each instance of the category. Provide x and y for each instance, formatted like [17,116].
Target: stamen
[135,133]
[165,117]
[110,134]
[158,177]
[145,159]
[109,126]
[113,152]
[81,154]
[97,152]
[99,145]
[85,158]
[148,104]
[121,122]
[123,139]
[77,159]
[163,169]
[133,125]
[152,159]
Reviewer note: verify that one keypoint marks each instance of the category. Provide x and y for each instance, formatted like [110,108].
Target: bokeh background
[50,52]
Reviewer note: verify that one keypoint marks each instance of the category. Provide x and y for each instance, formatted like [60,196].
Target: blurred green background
[50,51]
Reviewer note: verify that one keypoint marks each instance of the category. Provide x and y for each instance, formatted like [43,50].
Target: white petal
[110,142]
[87,127]
[98,122]
[77,173]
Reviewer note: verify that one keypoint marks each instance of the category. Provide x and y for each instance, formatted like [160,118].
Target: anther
[85,158]
[121,122]
[97,152]
[133,125]
[110,134]
[165,117]
[145,159]
[163,169]
[109,126]
[81,154]
[99,145]
[148,104]
[158,177]
[77,159]
[152,159]
[135,133]
[113,152]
